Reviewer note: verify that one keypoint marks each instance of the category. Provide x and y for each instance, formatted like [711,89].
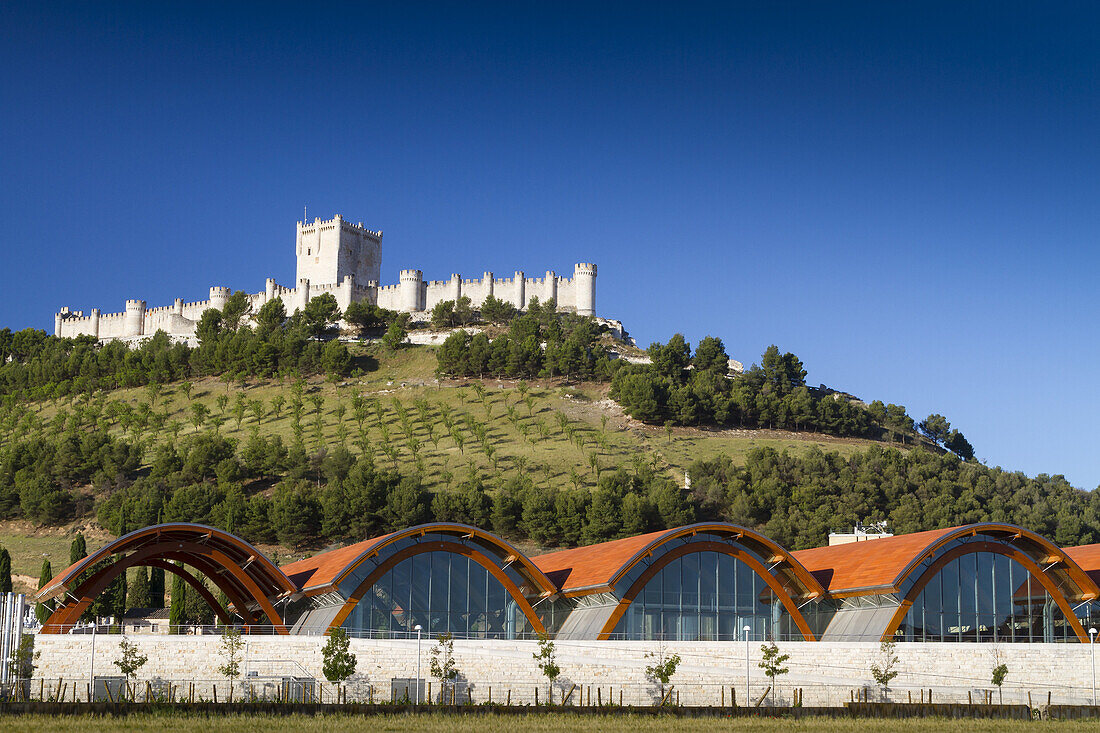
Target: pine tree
[40,611]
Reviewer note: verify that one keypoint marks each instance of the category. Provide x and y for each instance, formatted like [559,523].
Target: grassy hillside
[560,434]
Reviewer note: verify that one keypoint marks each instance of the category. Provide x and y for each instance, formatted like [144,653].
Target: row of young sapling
[339,664]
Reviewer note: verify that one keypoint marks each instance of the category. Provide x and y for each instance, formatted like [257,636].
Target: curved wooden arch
[219,610]
[1086,585]
[528,568]
[707,546]
[211,562]
[811,585]
[439,546]
[259,567]
[67,615]
[969,548]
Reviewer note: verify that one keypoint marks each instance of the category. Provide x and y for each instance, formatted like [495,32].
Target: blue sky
[905,197]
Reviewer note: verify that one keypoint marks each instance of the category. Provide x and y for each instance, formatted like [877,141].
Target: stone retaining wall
[829,673]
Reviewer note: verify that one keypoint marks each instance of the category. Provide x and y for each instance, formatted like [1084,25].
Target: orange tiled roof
[594,565]
[1088,557]
[867,564]
[323,568]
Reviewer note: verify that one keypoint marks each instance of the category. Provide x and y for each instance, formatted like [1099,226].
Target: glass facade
[706,596]
[985,596]
[443,592]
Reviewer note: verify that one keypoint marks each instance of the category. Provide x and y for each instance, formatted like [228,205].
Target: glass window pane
[442,591]
[706,596]
[689,581]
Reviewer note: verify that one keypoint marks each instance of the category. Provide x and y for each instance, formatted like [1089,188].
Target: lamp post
[1092,644]
[747,629]
[418,628]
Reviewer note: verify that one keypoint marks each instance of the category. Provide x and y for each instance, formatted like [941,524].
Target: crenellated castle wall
[336,250]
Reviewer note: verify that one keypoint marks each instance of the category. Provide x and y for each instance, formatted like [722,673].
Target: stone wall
[828,673]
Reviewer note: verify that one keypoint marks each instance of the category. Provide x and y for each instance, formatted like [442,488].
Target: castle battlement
[336,221]
[338,257]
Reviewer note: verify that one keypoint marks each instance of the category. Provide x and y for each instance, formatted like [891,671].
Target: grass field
[560,435]
[534,723]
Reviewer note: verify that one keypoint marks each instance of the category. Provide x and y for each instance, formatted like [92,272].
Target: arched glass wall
[443,592]
[984,596]
[706,596]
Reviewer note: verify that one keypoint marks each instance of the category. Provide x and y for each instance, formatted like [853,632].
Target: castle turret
[584,288]
[218,297]
[411,282]
[58,318]
[455,287]
[269,290]
[134,322]
[551,291]
[518,290]
[486,286]
[177,307]
[345,292]
[302,294]
[95,322]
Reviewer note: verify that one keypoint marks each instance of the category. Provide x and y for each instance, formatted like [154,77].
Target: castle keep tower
[329,250]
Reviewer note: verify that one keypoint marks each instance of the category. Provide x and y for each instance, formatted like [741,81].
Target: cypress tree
[118,595]
[78,550]
[40,611]
[156,588]
[196,610]
[223,599]
[138,595]
[5,571]
[178,598]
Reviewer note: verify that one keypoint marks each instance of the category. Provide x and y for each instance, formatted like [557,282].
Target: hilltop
[535,426]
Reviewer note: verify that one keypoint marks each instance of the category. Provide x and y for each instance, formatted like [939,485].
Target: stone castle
[338,257]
